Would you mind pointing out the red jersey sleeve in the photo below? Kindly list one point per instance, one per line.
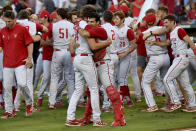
(88, 27)
(98, 33)
(130, 35)
(39, 27)
(27, 37)
(1, 40)
(181, 33)
(140, 38)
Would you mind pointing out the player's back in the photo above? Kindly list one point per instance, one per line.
(155, 49)
(84, 47)
(31, 26)
(111, 32)
(62, 32)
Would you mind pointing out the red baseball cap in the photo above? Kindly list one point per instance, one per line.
(124, 8)
(53, 15)
(112, 8)
(150, 19)
(44, 13)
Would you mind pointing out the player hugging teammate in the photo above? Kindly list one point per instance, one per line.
(90, 55)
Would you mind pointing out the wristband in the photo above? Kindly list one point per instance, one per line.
(194, 51)
(73, 54)
(151, 33)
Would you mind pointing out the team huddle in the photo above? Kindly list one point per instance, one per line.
(90, 54)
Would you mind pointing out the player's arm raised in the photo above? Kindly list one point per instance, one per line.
(156, 32)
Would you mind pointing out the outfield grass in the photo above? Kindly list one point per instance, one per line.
(54, 120)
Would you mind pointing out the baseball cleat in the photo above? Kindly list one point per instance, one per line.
(52, 107)
(105, 109)
(73, 123)
(150, 109)
(6, 115)
(17, 109)
(138, 99)
(189, 109)
(129, 103)
(118, 123)
(59, 104)
(39, 102)
(29, 110)
(81, 104)
(173, 107)
(99, 123)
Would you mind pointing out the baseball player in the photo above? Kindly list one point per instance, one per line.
(126, 45)
(179, 40)
(16, 63)
(112, 51)
(85, 70)
(133, 64)
(104, 68)
(32, 28)
(158, 60)
(47, 52)
(62, 32)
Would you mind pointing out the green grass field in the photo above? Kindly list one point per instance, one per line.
(54, 120)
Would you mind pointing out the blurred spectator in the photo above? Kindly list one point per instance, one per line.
(49, 5)
(170, 4)
(136, 6)
(180, 12)
(73, 4)
(22, 4)
(2, 2)
(81, 3)
(192, 13)
(38, 6)
(61, 3)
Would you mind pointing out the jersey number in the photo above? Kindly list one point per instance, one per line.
(122, 44)
(113, 34)
(156, 38)
(62, 33)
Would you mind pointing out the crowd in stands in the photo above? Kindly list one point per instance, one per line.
(185, 10)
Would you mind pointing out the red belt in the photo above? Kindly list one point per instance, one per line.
(100, 63)
(83, 54)
(60, 49)
(178, 55)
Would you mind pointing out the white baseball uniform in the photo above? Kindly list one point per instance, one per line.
(32, 28)
(62, 33)
(159, 60)
(178, 68)
(85, 70)
(124, 64)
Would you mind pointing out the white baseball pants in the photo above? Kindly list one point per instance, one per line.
(85, 70)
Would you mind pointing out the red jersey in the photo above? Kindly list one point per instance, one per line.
(141, 48)
(99, 34)
(47, 50)
(192, 14)
(14, 43)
